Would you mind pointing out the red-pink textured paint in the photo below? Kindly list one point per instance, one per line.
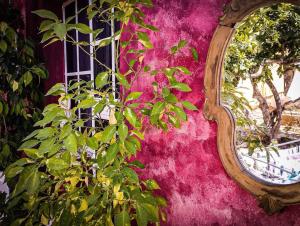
(185, 161)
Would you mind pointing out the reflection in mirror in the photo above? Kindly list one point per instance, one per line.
(261, 87)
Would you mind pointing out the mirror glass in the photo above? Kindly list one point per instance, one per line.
(261, 88)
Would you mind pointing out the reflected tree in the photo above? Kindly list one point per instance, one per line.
(268, 37)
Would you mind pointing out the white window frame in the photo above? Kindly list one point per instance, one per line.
(106, 112)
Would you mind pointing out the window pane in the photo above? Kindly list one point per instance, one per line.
(71, 49)
(98, 23)
(70, 81)
(86, 113)
(104, 56)
(101, 123)
(84, 58)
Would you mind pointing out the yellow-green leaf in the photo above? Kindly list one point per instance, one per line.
(144, 39)
(83, 205)
(71, 143)
(108, 133)
(15, 85)
(101, 79)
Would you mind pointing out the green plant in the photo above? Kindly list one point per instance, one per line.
(20, 86)
(77, 174)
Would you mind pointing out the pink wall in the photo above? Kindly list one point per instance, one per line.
(185, 161)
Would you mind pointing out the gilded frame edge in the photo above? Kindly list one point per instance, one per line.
(272, 198)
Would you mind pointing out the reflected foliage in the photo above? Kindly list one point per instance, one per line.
(268, 37)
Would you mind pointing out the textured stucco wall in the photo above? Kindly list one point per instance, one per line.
(185, 162)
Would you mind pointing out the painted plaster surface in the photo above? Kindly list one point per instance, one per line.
(185, 161)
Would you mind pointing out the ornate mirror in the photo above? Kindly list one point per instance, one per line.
(252, 86)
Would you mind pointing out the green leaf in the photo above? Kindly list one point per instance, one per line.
(158, 108)
(92, 143)
(132, 118)
(3, 46)
(56, 164)
(138, 134)
(82, 28)
(132, 62)
(47, 146)
(22, 182)
(137, 164)
(39, 72)
(29, 144)
(181, 87)
(101, 79)
(91, 13)
(133, 96)
(182, 43)
(195, 54)
(121, 78)
(33, 182)
(174, 121)
(47, 35)
(11, 172)
(135, 141)
(165, 92)
(22, 162)
(144, 39)
(184, 70)
(152, 184)
(56, 90)
(145, 213)
(171, 99)
(174, 49)
(15, 85)
(130, 174)
(151, 27)
(146, 2)
(45, 133)
(123, 131)
(130, 147)
(104, 42)
(87, 103)
(60, 30)
(180, 112)
(71, 143)
(111, 153)
(46, 14)
(99, 108)
(32, 153)
(147, 68)
(108, 133)
(46, 25)
(122, 219)
(188, 105)
(161, 201)
(65, 131)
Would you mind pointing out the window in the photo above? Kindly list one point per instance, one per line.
(79, 62)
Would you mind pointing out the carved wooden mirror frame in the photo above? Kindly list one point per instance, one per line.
(271, 197)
